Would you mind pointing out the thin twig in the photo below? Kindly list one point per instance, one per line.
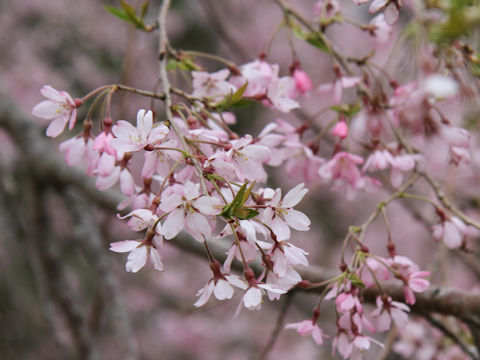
(163, 54)
(447, 332)
(278, 326)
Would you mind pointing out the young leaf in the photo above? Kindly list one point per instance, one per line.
(355, 280)
(244, 213)
(120, 13)
(132, 15)
(144, 9)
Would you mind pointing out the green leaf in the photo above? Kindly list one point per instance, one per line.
(315, 40)
(237, 95)
(237, 202)
(242, 103)
(348, 110)
(231, 99)
(247, 193)
(120, 13)
(144, 9)
(312, 38)
(132, 15)
(244, 213)
(355, 280)
(211, 177)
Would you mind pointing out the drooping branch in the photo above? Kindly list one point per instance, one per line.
(51, 168)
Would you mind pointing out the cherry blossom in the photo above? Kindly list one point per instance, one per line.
(336, 88)
(308, 327)
(281, 216)
(60, 108)
(212, 85)
(303, 83)
(258, 74)
(187, 209)
(138, 253)
(129, 138)
(388, 310)
(280, 92)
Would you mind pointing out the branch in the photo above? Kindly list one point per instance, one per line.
(86, 230)
(163, 54)
(51, 168)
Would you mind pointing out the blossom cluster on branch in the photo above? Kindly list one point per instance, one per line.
(186, 169)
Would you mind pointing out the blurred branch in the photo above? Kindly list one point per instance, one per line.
(87, 232)
(58, 286)
(278, 326)
(223, 31)
(447, 332)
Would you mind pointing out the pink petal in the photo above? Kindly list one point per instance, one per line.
(124, 246)
(391, 14)
(377, 5)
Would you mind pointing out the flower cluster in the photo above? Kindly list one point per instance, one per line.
(189, 172)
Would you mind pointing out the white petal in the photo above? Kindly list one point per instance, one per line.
(198, 226)
(124, 246)
(205, 293)
(174, 223)
(136, 259)
(377, 5)
(223, 290)
(47, 109)
(252, 297)
(294, 196)
(209, 205)
(297, 220)
(156, 259)
(57, 126)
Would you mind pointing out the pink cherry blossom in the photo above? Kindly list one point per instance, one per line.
(76, 150)
(303, 83)
(343, 170)
(187, 209)
(258, 74)
(60, 108)
(281, 216)
(336, 88)
(308, 327)
(221, 288)
(280, 93)
(340, 129)
(247, 157)
(388, 310)
(214, 85)
(381, 29)
(130, 138)
(415, 283)
(138, 253)
(252, 299)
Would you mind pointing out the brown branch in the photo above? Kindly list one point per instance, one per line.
(86, 231)
(278, 326)
(450, 334)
